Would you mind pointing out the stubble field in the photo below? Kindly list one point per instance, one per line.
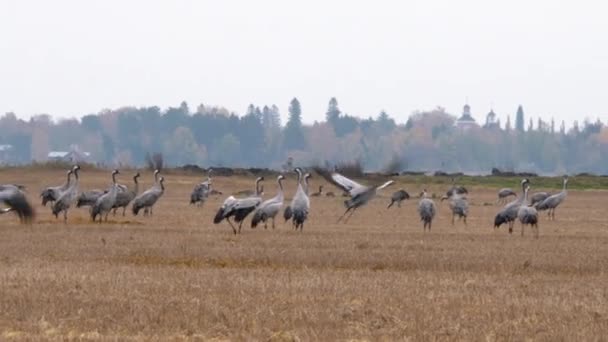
(380, 277)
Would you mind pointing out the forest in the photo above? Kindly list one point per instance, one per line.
(215, 136)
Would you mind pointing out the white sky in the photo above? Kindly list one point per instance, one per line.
(70, 58)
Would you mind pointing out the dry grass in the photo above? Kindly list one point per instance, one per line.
(178, 276)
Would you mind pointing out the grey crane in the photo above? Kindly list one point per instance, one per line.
(51, 194)
(553, 201)
(147, 199)
(201, 191)
(124, 197)
(359, 194)
(459, 205)
(508, 213)
(269, 208)
(503, 194)
(538, 197)
(461, 190)
(238, 208)
(105, 202)
(68, 197)
(89, 198)
(300, 203)
(14, 199)
(426, 210)
(288, 213)
(528, 214)
(397, 197)
(318, 193)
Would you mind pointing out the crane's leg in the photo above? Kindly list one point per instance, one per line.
(231, 225)
(346, 212)
(351, 214)
(65, 216)
(399, 204)
(114, 212)
(273, 223)
(465, 221)
(123, 210)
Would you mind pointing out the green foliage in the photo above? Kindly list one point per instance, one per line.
(519, 119)
(293, 135)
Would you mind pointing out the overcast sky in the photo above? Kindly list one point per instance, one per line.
(71, 58)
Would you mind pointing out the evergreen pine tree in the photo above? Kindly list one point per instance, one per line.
(294, 137)
(519, 119)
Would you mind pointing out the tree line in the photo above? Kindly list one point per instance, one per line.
(215, 136)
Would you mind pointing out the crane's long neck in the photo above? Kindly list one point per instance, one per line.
(68, 181)
(280, 183)
(306, 185)
(162, 185)
(526, 195)
(136, 189)
(564, 189)
(257, 187)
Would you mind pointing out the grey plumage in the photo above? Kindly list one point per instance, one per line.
(89, 198)
(238, 208)
(300, 204)
(528, 214)
(147, 199)
(124, 197)
(459, 205)
(426, 210)
(14, 199)
(269, 208)
(51, 194)
(504, 193)
(288, 213)
(397, 197)
(553, 201)
(359, 194)
(201, 191)
(538, 197)
(67, 198)
(456, 190)
(105, 202)
(508, 213)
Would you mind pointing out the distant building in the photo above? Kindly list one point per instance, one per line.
(73, 156)
(466, 121)
(6, 153)
(492, 120)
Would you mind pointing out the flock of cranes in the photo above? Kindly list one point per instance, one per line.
(101, 202)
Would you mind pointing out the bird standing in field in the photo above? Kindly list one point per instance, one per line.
(147, 199)
(238, 208)
(553, 201)
(125, 196)
(528, 214)
(538, 197)
(68, 197)
(51, 194)
(459, 205)
(105, 202)
(359, 194)
(269, 208)
(426, 210)
(460, 190)
(397, 197)
(14, 199)
(508, 213)
(201, 191)
(503, 194)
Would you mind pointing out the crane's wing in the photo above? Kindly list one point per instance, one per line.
(385, 184)
(340, 181)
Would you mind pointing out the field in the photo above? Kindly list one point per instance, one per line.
(380, 277)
